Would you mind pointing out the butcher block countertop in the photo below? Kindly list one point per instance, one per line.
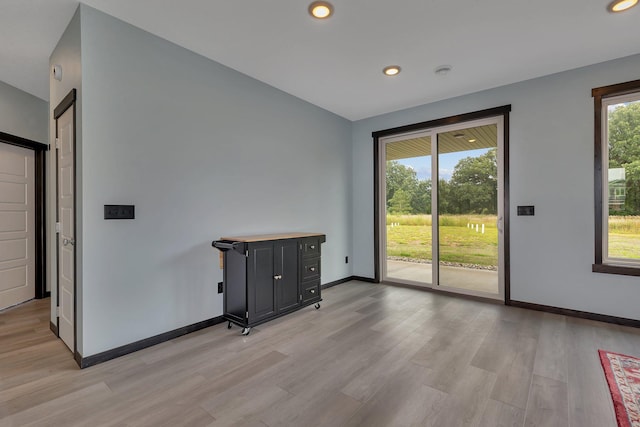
(266, 237)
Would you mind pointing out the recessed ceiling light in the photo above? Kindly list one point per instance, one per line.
(441, 70)
(320, 9)
(391, 70)
(621, 5)
(472, 140)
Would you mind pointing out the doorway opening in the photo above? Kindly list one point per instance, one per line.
(442, 205)
(22, 220)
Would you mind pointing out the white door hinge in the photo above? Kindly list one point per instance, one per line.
(247, 314)
(57, 311)
(58, 227)
(57, 142)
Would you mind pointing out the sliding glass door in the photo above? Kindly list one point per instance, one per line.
(407, 199)
(468, 209)
(465, 241)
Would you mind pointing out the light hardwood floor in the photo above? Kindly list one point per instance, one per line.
(373, 355)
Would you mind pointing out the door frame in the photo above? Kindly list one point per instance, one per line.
(67, 102)
(381, 171)
(40, 188)
(424, 126)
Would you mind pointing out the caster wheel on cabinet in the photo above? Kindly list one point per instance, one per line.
(246, 331)
(317, 305)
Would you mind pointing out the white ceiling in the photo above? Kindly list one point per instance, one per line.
(337, 64)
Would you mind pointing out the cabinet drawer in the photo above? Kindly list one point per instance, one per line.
(311, 269)
(310, 248)
(310, 291)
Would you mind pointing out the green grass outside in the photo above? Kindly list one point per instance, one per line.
(624, 237)
(411, 238)
(446, 220)
(624, 225)
(624, 246)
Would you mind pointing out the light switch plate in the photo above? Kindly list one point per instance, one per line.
(526, 210)
(119, 212)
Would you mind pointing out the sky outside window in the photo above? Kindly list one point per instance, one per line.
(447, 162)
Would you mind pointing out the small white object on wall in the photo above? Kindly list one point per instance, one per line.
(57, 72)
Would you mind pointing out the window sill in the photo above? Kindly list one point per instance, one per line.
(615, 269)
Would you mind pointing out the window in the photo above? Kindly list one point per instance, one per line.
(617, 178)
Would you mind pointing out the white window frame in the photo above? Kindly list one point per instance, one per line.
(606, 103)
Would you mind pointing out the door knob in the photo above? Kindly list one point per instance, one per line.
(66, 242)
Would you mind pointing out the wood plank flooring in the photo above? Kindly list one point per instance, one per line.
(373, 355)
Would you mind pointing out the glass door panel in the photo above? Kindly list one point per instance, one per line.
(407, 238)
(468, 209)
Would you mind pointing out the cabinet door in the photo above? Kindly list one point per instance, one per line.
(260, 283)
(286, 267)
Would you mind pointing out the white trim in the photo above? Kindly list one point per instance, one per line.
(435, 230)
(382, 163)
(382, 207)
(604, 138)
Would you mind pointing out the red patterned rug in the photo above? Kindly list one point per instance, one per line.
(623, 376)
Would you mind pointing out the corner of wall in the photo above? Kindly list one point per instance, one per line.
(67, 54)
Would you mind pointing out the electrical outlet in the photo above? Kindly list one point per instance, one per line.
(220, 287)
(119, 212)
(346, 260)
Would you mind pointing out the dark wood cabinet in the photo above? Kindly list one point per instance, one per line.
(268, 276)
(260, 289)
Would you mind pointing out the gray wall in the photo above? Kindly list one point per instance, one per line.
(204, 151)
(551, 161)
(22, 114)
(68, 55)
(201, 151)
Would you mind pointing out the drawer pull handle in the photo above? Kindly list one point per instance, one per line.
(277, 277)
(312, 246)
(312, 269)
(313, 291)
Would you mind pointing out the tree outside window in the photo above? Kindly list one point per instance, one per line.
(617, 145)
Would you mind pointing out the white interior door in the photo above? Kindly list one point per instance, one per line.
(17, 224)
(66, 227)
